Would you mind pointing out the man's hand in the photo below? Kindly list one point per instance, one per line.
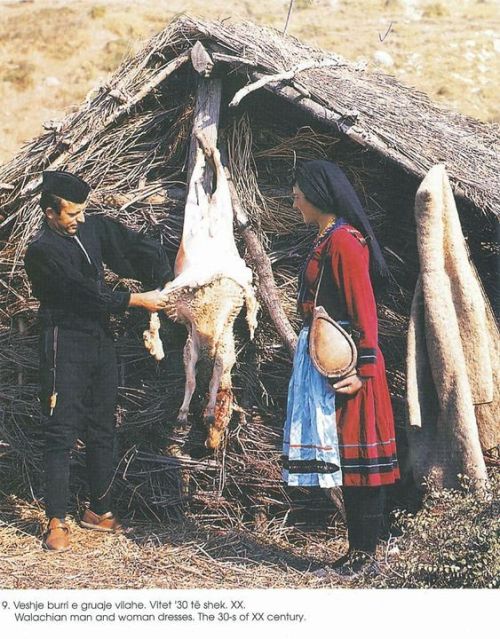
(152, 301)
(349, 385)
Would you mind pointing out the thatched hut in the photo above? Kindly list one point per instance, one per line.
(129, 140)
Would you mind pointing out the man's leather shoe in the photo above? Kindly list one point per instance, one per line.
(57, 536)
(105, 523)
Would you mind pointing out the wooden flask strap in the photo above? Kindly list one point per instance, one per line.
(324, 255)
(323, 259)
(354, 334)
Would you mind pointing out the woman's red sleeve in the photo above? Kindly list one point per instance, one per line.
(350, 261)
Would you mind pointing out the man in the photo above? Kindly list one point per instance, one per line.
(78, 370)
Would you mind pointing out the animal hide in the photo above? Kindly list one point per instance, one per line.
(453, 358)
(211, 285)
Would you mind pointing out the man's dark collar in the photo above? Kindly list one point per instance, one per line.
(47, 226)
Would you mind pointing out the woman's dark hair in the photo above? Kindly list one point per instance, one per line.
(48, 200)
(326, 186)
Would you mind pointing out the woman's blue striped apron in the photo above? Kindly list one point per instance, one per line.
(310, 444)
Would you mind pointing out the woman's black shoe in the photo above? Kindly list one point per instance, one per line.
(341, 560)
(355, 564)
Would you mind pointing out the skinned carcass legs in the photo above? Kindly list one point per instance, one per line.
(211, 285)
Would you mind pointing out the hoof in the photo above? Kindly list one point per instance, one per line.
(209, 420)
(182, 419)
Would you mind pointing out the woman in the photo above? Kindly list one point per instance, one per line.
(341, 433)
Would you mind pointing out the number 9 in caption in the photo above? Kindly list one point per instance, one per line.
(5, 605)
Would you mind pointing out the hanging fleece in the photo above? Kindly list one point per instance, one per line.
(453, 357)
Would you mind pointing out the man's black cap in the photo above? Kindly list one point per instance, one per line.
(65, 185)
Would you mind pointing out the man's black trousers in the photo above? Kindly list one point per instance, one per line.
(86, 381)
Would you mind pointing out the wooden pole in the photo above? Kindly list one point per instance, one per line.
(268, 289)
(290, 7)
(262, 265)
(206, 113)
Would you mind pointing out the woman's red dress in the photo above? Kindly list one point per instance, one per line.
(365, 421)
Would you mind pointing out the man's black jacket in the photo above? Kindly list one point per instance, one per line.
(72, 291)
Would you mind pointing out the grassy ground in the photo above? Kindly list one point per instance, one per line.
(52, 52)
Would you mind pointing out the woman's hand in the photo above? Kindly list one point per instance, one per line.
(349, 385)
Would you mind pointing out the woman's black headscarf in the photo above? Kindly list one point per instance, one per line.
(325, 185)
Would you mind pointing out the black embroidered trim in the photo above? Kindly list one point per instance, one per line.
(367, 356)
(375, 465)
(367, 351)
(377, 470)
(309, 466)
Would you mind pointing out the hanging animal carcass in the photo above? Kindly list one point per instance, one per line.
(211, 284)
